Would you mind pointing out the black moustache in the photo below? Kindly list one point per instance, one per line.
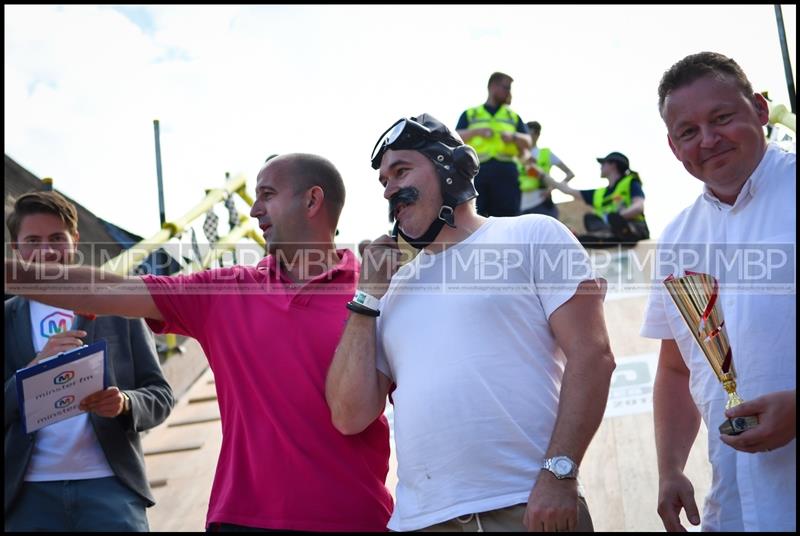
(404, 195)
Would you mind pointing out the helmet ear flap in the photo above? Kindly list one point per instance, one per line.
(466, 162)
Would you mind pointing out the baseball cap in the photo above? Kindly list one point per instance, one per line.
(616, 157)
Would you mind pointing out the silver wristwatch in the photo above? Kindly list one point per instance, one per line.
(561, 467)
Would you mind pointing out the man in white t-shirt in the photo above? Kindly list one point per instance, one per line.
(741, 230)
(492, 343)
(85, 473)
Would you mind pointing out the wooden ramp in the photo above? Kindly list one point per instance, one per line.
(618, 473)
(181, 455)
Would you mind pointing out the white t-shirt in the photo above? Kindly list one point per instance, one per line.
(46, 321)
(750, 248)
(464, 335)
(66, 450)
(554, 160)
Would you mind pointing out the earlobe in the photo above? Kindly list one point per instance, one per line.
(672, 147)
(315, 199)
(762, 108)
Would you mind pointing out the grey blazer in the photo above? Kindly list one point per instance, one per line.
(132, 366)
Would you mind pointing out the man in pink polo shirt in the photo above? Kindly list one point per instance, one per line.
(269, 332)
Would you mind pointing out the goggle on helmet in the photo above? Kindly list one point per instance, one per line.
(456, 162)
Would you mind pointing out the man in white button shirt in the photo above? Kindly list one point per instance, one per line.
(715, 125)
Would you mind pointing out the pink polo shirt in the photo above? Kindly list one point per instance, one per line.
(282, 465)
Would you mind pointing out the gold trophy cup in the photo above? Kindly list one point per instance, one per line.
(695, 296)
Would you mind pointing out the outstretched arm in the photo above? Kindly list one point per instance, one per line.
(552, 183)
(86, 289)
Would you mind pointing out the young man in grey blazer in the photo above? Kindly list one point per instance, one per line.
(85, 473)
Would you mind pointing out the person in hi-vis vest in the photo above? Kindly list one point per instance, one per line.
(536, 198)
(618, 215)
(500, 137)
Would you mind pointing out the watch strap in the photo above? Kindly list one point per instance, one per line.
(550, 463)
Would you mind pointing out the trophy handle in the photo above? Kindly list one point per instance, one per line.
(737, 425)
(729, 383)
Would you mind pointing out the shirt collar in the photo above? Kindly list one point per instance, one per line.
(347, 263)
(749, 188)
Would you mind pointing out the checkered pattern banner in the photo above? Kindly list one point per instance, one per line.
(233, 214)
(196, 248)
(210, 227)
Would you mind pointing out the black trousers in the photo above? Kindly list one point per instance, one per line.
(498, 189)
(618, 230)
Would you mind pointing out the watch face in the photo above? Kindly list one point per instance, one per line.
(562, 467)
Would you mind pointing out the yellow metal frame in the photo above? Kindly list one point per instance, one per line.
(128, 260)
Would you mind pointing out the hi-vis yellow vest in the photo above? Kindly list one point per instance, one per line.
(528, 183)
(503, 121)
(618, 198)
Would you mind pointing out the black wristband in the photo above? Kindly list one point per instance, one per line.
(362, 310)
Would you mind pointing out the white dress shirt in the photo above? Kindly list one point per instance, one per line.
(750, 247)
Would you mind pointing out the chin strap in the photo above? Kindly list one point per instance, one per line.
(446, 215)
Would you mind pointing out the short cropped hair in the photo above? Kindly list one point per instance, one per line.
(497, 77)
(42, 202)
(311, 170)
(535, 126)
(696, 66)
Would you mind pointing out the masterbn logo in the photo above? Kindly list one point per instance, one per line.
(64, 377)
(54, 323)
(64, 401)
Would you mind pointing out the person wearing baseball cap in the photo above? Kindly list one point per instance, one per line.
(614, 156)
(618, 216)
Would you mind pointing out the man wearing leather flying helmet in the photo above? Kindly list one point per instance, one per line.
(491, 341)
(455, 163)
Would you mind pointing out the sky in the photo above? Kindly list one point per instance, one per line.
(231, 85)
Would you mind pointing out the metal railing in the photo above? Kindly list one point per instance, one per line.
(126, 262)
(131, 258)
